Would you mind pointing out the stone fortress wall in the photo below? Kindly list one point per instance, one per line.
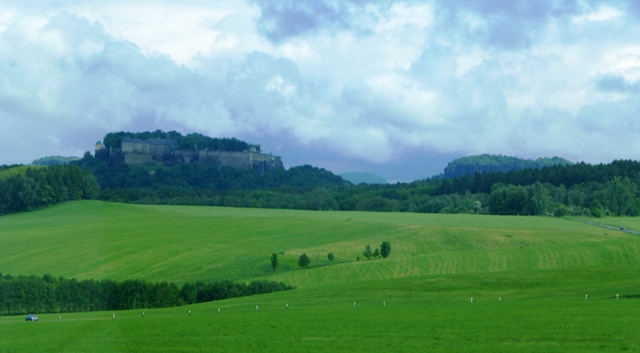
(165, 151)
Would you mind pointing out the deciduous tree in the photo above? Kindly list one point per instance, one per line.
(304, 260)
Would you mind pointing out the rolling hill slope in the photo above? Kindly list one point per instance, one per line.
(98, 240)
(528, 277)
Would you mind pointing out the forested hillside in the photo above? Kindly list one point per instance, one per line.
(578, 189)
(575, 189)
(487, 163)
(30, 188)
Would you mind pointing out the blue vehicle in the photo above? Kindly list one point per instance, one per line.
(31, 317)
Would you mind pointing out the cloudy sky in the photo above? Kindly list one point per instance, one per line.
(398, 88)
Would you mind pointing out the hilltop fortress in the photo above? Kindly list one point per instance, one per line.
(136, 152)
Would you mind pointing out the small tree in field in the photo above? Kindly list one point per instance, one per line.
(385, 249)
(304, 260)
(330, 257)
(376, 253)
(367, 252)
(274, 262)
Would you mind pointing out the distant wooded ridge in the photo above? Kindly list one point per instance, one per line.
(487, 163)
(51, 160)
(559, 188)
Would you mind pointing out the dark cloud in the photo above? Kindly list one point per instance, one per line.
(503, 24)
(618, 84)
(281, 20)
(286, 19)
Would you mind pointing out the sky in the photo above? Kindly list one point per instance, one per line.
(397, 88)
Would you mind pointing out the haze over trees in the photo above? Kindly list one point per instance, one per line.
(51, 160)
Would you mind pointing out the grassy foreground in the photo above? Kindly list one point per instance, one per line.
(540, 268)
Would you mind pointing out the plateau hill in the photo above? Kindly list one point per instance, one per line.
(487, 163)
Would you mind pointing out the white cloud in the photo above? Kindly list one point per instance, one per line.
(357, 79)
(281, 86)
(603, 13)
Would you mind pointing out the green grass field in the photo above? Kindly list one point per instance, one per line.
(540, 268)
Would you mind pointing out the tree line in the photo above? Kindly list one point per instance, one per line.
(579, 189)
(192, 141)
(619, 196)
(49, 294)
(25, 189)
(561, 189)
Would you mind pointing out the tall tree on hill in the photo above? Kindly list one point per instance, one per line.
(385, 249)
(274, 262)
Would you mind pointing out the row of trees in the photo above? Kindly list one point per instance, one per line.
(48, 294)
(619, 196)
(193, 141)
(558, 190)
(382, 252)
(26, 189)
(303, 261)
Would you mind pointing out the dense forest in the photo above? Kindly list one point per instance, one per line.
(29, 188)
(560, 189)
(551, 187)
(49, 294)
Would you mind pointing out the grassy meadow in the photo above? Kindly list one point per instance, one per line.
(528, 277)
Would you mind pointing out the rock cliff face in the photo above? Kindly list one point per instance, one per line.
(136, 152)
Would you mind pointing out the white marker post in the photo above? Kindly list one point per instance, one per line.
(472, 299)
(354, 304)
